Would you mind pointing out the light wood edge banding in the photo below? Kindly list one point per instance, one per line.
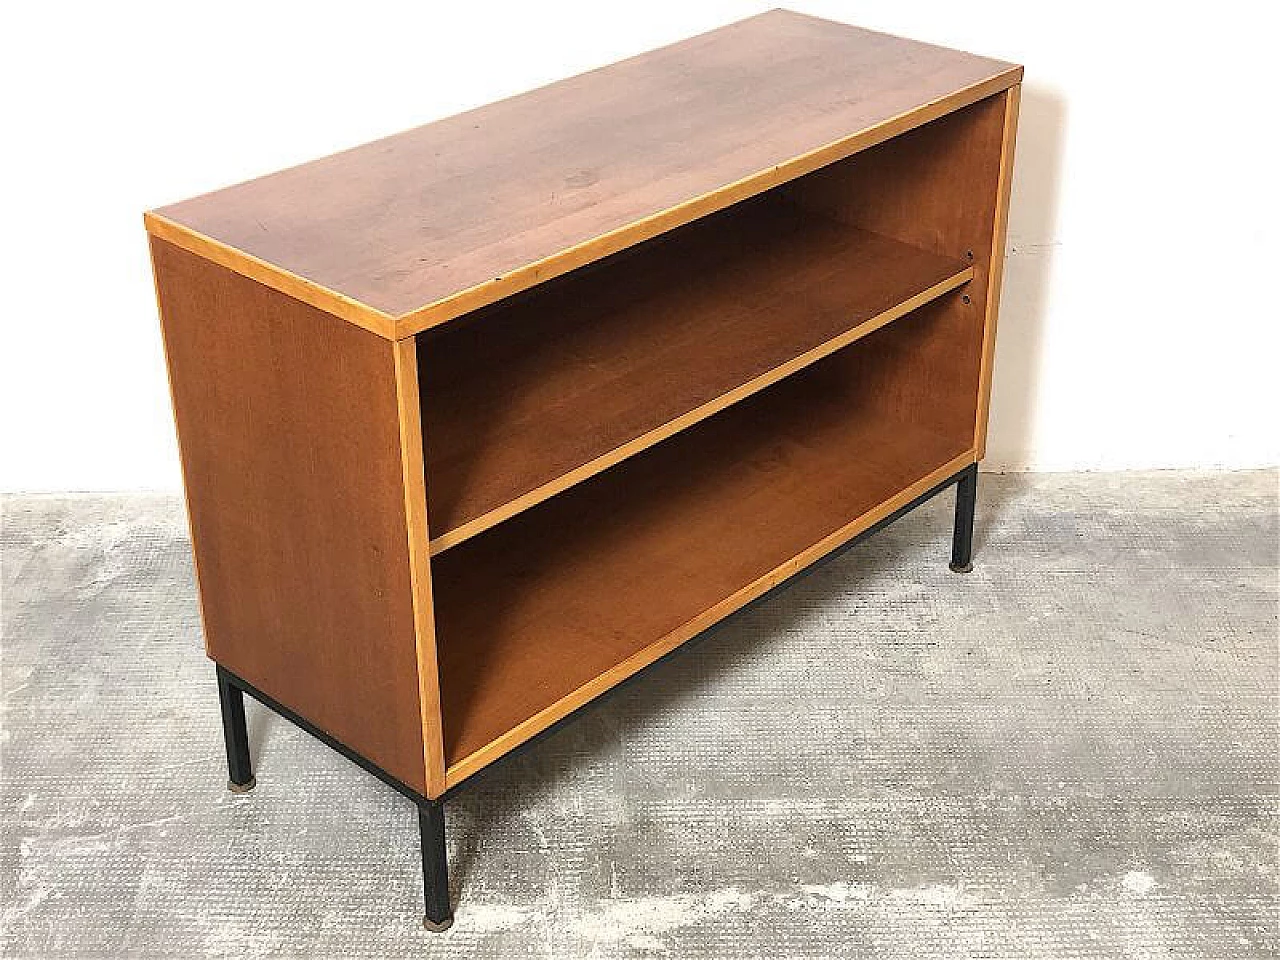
(1013, 97)
(474, 762)
(415, 506)
(270, 275)
(603, 462)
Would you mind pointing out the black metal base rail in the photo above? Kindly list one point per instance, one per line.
(431, 833)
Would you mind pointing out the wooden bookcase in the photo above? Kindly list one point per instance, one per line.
(481, 419)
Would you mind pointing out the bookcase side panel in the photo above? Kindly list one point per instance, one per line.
(409, 403)
(290, 438)
(936, 187)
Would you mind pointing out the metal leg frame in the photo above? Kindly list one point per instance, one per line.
(240, 777)
(435, 865)
(962, 538)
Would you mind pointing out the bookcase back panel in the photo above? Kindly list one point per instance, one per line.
(935, 187)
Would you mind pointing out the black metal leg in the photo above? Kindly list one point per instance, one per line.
(239, 768)
(962, 538)
(435, 866)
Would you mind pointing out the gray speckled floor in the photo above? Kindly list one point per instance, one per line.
(1072, 752)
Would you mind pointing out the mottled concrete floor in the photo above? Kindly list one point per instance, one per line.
(1072, 752)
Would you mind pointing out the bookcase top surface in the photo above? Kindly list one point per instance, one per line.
(409, 231)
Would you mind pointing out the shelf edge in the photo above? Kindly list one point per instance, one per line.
(479, 759)
(492, 518)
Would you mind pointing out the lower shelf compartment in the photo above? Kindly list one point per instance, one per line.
(544, 612)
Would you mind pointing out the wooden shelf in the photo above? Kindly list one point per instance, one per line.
(587, 588)
(645, 345)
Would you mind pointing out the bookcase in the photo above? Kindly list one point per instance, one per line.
(481, 419)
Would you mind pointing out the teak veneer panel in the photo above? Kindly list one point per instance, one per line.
(533, 395)
(559, 603)
(421, 227)
(942, 187)
(291, 454)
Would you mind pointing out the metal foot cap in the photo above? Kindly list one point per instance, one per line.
(961, 567)
(434, 927)
(242, 787)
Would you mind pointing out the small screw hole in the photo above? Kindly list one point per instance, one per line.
(966, 299)
(969, 254)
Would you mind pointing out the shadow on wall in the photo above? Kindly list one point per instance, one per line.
(1024, 303)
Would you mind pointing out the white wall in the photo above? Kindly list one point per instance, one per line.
(1137, 330)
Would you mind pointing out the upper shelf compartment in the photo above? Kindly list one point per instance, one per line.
(530, 396)
(414, 230)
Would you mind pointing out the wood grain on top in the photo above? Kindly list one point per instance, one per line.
(413, 230)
